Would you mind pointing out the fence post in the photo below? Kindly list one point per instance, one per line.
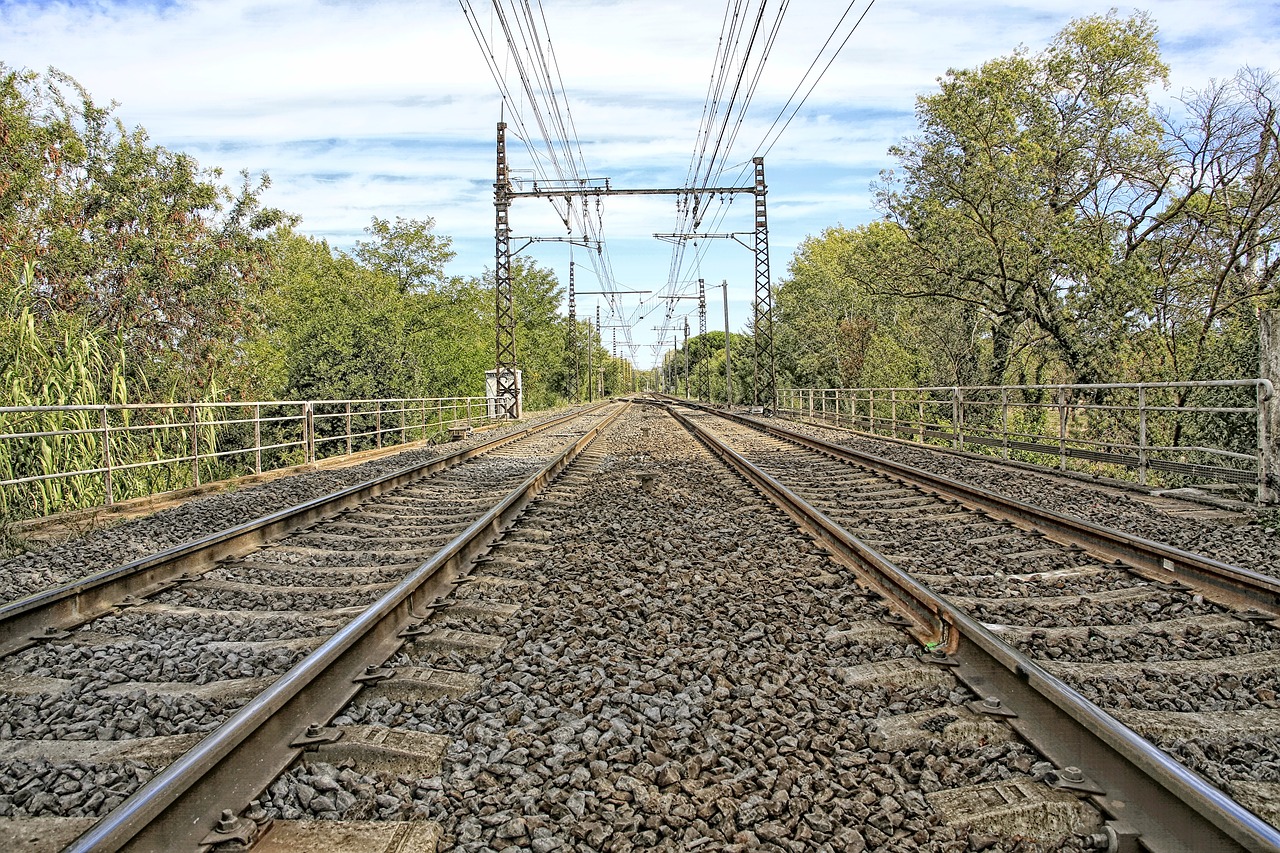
(1004, 420)
(920, 417)
(1142, 435)
(309, 431)
(404, 434)
(257, 438)
(957, 420)
(106, 456)
(195, 446)
(1062, 428)
(348, 427)
(871, 410)
(377, 421)
(1269, 409)
(893, 413)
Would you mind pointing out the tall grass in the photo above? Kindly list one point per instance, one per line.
(53, 360)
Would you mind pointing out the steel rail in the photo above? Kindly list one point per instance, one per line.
(48, 613)
(179, 806)
(1232, 585)
(1146, 793)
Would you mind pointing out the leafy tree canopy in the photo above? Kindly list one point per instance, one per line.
(408, 251)
(1047, 223)
(127, 235)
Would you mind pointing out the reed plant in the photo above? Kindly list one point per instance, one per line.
(53, 359)
(58, 361)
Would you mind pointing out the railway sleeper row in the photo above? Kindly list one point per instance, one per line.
(93, 713)
(1230, 738)
(592, 685)
(599, 703)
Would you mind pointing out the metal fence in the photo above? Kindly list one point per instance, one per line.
(55, 458)
(1168, 433)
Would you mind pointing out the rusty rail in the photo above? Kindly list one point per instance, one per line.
(73, 604)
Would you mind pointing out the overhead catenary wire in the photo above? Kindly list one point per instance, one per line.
(769, 147)
(552, 141)
(540, 117)
(789, 110)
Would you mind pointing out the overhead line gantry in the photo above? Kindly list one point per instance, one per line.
(507, 389)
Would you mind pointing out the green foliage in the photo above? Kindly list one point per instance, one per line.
(1047, 224)
(707, 358)
(336, 326)
(128, 236)
(1010, 193)
(130, 274)
(47, 359)
(837, 330)
(407, 251)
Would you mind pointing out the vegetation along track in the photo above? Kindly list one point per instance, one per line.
(1179, 648)
(110, 679)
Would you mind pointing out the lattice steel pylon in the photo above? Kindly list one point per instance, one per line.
(764, 372)
(573, 339)
(507, 402)
(701, 376)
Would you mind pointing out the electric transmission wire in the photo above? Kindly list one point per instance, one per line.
(710, 162)
(541, 118)
(816, 81)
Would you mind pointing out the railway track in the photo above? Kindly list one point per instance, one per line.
(1178, 648)
(648, 655)
(152, 694)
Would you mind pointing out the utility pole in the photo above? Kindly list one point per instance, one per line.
(601, 369)
(506, 388)
(765, 392)
(591, 345)
(686, 358)
(728, 373)
(573, 338)
(703, 372)
(702, 306)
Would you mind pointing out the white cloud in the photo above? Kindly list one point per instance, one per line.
(387, 107)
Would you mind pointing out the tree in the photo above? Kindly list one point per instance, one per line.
(839, 326)
(407, 251)
(1213, 259)
(128, 236)
(451, 337)
(334, 329)
(1024, 171)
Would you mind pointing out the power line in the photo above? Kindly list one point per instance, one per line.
(816, 81)
(543, 121)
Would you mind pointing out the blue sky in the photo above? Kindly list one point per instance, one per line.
(361, 108)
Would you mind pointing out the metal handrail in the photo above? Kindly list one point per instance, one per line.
(193, 442)
(945, 413)
(179, 805)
